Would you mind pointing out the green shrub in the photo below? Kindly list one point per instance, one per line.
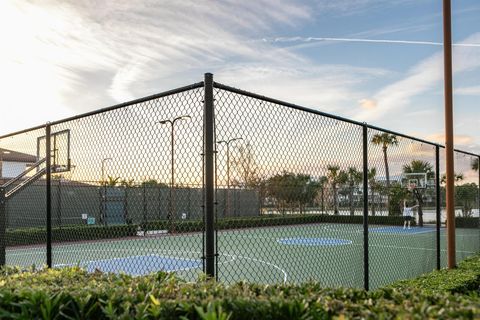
(29, 236)
(72, 293)
(467, 222)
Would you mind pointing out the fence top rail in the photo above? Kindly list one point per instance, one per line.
(328, 115)
(111, 108)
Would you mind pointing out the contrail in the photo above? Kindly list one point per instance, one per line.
(312, 39)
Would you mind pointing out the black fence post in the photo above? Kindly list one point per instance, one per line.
(438, 203)
(48, 178)
(209, 131)
(3, 226)
(365, 209)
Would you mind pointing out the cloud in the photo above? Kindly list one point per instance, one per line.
(363, 40)
(468, 91)
(460, 140)
(368, 104)
(420, 78)
(127, 49)
(329, 88)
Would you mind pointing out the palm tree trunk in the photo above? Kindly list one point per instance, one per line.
(335, 199)
(352, 210)
(373, 201)
(323, 204)
(387, 176)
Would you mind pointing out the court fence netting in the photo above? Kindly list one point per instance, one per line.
(211, 179)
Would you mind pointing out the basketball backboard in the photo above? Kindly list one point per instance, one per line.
(417, 180)
(60, 150)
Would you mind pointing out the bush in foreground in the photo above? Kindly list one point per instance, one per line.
(71, 293)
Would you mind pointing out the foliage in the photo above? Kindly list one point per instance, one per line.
(112, 181)
(397, 193)
(457, 178)
(127, 182)
(353, 178)
(72, 293)
(419, 166)
(153, 183)
(466, 196)
(27, 236)
(475, 164)
(385, 140)
(290, 190)
(245, 165)
(336, 177)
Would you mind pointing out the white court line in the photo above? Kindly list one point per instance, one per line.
(285, 276)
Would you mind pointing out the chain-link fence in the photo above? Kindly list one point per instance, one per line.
(211, 179)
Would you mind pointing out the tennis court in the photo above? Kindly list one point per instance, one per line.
(329, 253)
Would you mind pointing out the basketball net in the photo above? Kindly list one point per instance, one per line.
(412, 186)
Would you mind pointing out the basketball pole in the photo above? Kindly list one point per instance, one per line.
(447, 61)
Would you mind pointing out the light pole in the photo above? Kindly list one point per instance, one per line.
(104, 206)
(170, 216)
(227, 143)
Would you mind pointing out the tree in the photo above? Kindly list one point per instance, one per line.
(335, 177)
(466, 196)
(245, 165)
(456, 176)
(292, 190)
(354, 177)
(322, 182)
(112, 181)
(475, 165)
(419, 166)
(385, 140)
(127, 183)
(372, 182)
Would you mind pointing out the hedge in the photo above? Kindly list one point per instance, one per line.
(29, 236)
(71, 293)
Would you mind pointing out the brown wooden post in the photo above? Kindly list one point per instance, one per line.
(449, 148)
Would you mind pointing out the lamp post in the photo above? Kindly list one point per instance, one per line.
(172, 122)
(227, 143)
(104, 206)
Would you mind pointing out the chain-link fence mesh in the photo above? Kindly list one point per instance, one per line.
(128, 193)
(402, 191)
(304, 173)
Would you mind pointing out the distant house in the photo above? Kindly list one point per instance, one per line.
(12, 163)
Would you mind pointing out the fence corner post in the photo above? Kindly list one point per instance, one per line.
(48, 191)
(366, 279)
(209, 132)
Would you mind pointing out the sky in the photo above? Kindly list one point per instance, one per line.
(375, 61)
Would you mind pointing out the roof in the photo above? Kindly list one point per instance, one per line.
(14, 156)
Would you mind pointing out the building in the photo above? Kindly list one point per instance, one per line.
(13, 163)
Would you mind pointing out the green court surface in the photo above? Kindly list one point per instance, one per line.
(331, 254)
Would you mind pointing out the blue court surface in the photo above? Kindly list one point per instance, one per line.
(401, 230)
(314, 241)
(141, 265)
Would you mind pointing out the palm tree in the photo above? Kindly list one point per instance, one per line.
(419, 166)
(335, 177)
(373, 186)
(475, 164)
(457, 177)
(354, 177)
(322, 182)
(112, 181)
(385, 140)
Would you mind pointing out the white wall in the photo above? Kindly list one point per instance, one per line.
(12, 169)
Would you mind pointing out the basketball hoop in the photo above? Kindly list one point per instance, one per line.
(412, 186)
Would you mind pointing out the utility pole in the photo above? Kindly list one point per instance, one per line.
(449, 148)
